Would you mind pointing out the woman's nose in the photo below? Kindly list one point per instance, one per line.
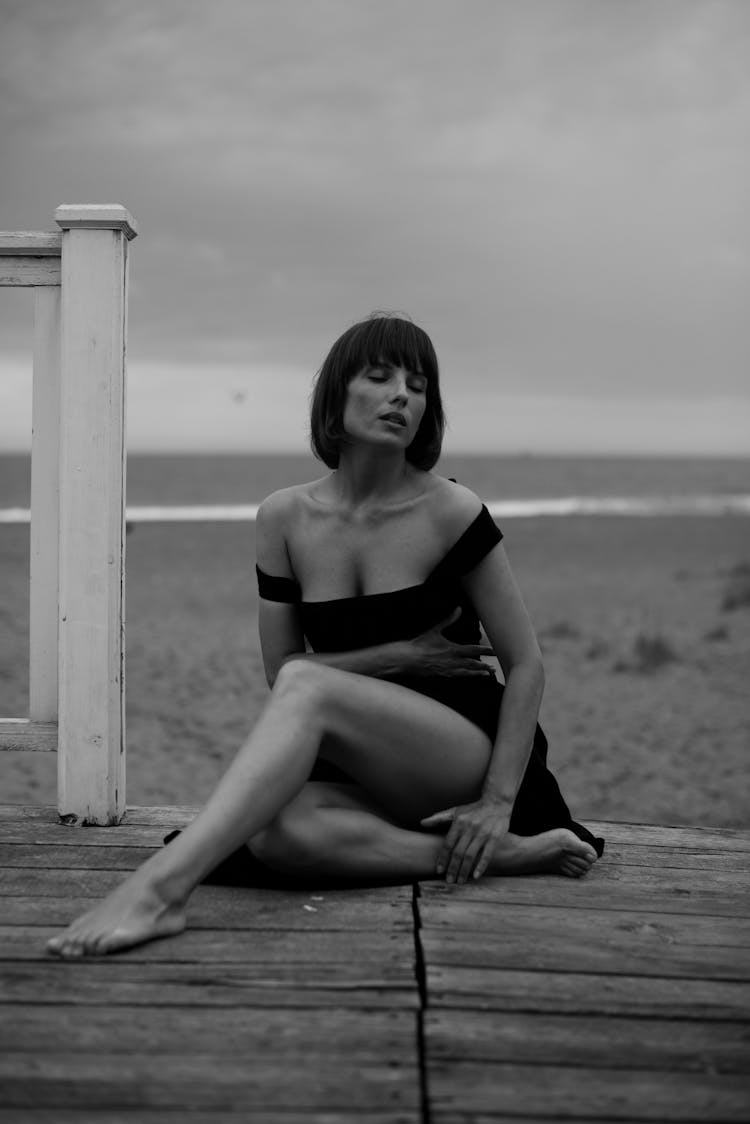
(400, 390)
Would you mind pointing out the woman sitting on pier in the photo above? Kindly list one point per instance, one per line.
(386, 569)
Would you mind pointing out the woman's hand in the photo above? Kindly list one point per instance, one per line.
(432, 654)
(475, 830)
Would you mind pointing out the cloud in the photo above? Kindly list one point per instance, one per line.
(556, 190)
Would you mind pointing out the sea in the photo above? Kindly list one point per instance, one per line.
(208, 487)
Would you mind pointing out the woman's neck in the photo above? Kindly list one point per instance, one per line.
(367, 478)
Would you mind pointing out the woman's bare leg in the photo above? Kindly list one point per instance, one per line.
(412, 754)
(337, 831)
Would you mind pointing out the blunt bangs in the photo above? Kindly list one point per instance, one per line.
(379, 339)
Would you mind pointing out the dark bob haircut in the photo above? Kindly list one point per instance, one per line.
(382, 338)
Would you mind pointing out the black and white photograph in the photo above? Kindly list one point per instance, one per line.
(374, 561)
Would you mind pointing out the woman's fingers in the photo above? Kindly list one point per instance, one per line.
(466, 666)
(449, 847)
(438, 817)
(462, 858)
(470, 856)
(483, 861)
(466, 848)
(445, 858)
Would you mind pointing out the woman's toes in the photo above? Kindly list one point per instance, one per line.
(581, 866)
(583, 850)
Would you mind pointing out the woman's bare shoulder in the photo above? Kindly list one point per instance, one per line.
(282, 505)
(277, 517)
(454, 507)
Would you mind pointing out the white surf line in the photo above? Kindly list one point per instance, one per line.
(645, 506)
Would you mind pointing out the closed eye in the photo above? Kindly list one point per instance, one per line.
(383, 371)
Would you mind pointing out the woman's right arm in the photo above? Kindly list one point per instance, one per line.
(279, 624)
(282, 638)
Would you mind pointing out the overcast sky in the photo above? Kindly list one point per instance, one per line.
(557, 190)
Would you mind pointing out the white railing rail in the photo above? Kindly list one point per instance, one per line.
(77, 560)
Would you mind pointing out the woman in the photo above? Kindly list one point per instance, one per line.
(386, 569)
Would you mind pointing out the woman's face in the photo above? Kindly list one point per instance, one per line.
(385, 405)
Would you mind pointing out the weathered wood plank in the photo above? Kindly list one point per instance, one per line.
(34, 856)
(655, 835)
(672, 879)
(211, 906)
(582, 1040)
(204, 1081)
(20, 735)
(590, 894)
(390, 953)
(38, 833)
(116, 982)
(31, 243)
(370, 1034)
(214, 1116)
(167, 816)
(452, 1117)
(494, 1090)
(641, 944)
(664, 858)
(550, 925)
(27, 272)
(586, 993)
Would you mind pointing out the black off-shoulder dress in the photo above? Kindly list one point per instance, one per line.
(361, 622)
(365, 621)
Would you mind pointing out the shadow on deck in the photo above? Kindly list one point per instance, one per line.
(623, 996)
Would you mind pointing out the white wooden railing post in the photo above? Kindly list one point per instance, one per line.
(91, 718)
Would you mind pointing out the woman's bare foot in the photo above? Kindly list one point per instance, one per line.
(559, 851)
(133, 913)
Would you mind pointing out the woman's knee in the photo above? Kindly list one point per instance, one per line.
(303, 834)
(289, 841)
(302, 679)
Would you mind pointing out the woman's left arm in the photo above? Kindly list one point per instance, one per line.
(494, 594)
(475, 828)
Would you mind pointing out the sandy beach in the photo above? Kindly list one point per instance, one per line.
(644, 625)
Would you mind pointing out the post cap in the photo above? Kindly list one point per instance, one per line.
(96, 216)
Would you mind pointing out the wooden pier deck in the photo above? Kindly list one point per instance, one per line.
(624, 996)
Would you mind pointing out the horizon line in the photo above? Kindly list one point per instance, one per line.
(527, 454)
(697, 504)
